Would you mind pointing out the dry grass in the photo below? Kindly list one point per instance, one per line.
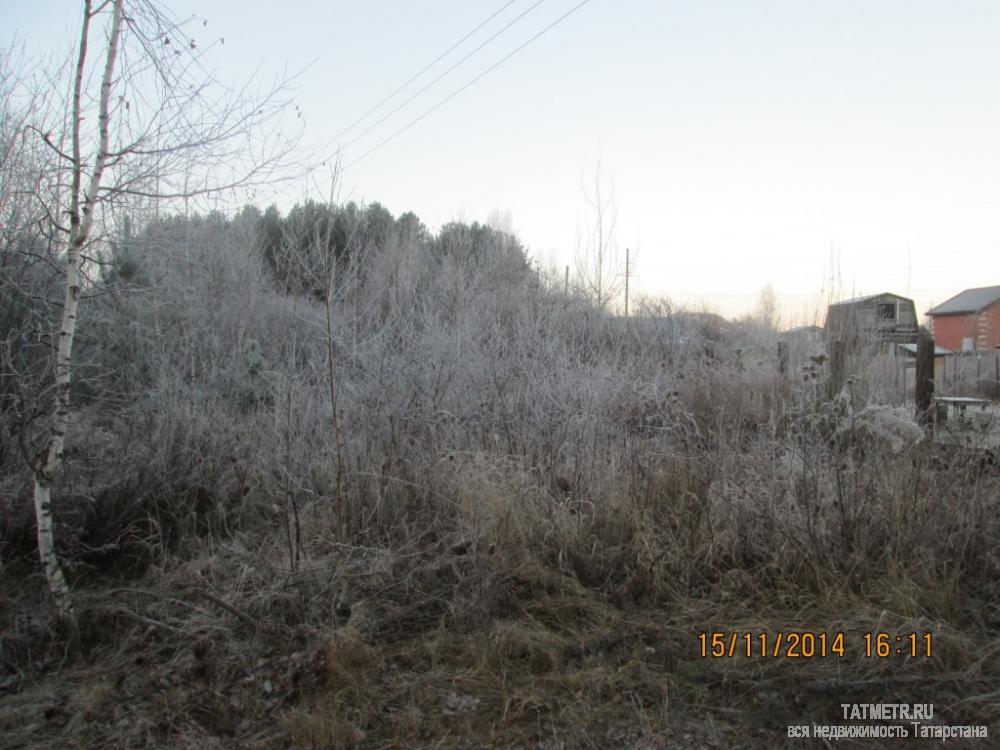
(438, 648)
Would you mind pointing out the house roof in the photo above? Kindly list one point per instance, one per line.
(868, 298)
(971, 300)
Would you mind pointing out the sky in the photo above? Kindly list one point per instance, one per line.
(827, 149)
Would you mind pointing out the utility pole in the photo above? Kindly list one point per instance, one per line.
(627, 258)
(566, 283)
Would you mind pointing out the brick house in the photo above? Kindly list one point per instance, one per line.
(970, 319)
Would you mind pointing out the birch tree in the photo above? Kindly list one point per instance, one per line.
(146, 124)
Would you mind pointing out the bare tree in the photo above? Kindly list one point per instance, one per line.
(145, 123)
(767, 313)
(599, 270)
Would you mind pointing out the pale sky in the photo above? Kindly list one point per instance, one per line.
(748, 142)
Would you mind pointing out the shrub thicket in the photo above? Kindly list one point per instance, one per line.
(509, 452)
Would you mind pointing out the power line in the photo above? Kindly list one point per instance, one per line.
(425, 69)
(451, 96)
(371, 127)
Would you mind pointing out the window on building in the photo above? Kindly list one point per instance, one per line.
(887, 310)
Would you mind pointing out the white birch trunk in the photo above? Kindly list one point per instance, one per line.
(82, 210)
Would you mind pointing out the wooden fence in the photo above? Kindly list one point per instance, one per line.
(973, 374)
(888, 376)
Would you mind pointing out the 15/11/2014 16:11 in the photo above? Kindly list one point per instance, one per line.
(799, 644)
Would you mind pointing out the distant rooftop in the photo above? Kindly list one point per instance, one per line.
(867, 298)
(971, 300)
(806, 329)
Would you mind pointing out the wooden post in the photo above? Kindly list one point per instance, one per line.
(925, 378)
(782, 358)
(838, 367)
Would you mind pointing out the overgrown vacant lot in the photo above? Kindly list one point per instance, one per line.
(397, 490)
